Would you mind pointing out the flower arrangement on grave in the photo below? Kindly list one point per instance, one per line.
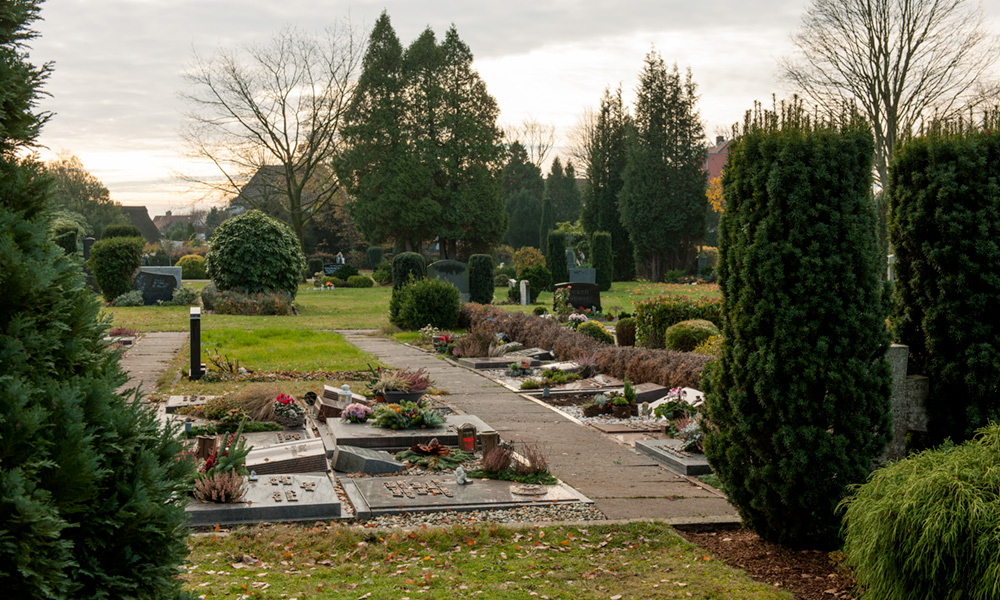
(406, 415)
(427, 334)
(287, 412)
(433, 456)
(399, 380)
(356, 413)
(575, 319)
(220, 478)
(500, 464)
(683, 421)
(560, 302)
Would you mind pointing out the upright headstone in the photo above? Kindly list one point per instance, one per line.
(454, 272)
(176, 272)
(155, 286)
(583, 295)
(525, 292)
(583, 275)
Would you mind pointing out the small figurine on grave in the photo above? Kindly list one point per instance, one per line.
(460, 477)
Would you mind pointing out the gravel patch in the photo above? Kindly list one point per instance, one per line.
(523, 514)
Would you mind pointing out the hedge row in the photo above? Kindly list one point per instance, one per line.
(640, 365)
(655, 315)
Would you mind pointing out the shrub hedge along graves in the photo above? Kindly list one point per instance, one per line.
(604, 260)
(799, 399)
(91, 488)
(120, 231)
(944, 222)
(253, 253)
(112, 261)
(432, 302)
(481, 280)
(655, 315)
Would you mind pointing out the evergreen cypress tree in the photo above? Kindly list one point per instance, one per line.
(603, 260)
(91, 487)
(555, 257)
(604, 181)
(799, 398)
(523, 188)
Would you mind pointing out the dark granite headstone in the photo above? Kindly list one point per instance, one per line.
(583, 295)
(330, 269)
(155, 286)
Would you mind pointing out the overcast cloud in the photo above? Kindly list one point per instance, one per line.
(118, 63)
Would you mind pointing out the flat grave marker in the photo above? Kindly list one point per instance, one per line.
(175, 402)
(273, 498)
(669, 454)
(366, 435)
(307, 456)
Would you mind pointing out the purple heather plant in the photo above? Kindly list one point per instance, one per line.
(356, 413)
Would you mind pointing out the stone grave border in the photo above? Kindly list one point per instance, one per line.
(201, 514)
(682, 463)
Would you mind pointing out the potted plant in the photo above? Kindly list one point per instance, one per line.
(401, 385)
(287, 412)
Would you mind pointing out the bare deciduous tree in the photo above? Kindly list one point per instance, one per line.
(900, 61)
(581, 140)
(536, 137)
(274, 110)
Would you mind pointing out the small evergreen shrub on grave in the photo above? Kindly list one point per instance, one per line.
(359, 281)
(603, 259)
(539, 278)
(597, 331)
(926, 526)
(655, 315)
(481, 282)
(427, 302)
(65, 238)
(406, 264)
(112, 261)
(373, 256)
(314, 265)
(712, 346)
(555, 256)
(133, 298)
(382, 276)
(182, 296)
(687, 335)
(540, 310)
(345, 272)
(235, 302)
(192, 267)
(120, 231)
(501, 280)
(625, 331)
(944, 220)
(799, 398)
(208, 295)
(254, 253)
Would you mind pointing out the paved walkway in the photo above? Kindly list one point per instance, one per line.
(623, 483)
(147, 359)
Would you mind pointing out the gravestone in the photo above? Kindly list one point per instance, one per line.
(155, 286)
(583, 295)
(908, 402)
(176, 402)
(366, 435)
(176, 272)
(330, 269)
(454, 272)
(583, 275)
(308, 456)
(495, 362)
(669, 454)
(351, 459)
(273, 498)
(525, 292)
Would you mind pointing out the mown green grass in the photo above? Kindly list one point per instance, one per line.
(283, 348)
(634, 561)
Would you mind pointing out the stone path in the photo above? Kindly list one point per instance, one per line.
(148, 358)
(623, 483)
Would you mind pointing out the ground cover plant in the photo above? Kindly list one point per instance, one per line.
(637, 560)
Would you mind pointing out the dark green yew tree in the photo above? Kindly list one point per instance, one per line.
(944, 223)
(91, 486)
(555, 257)
(523, 188)
(799, 399)
(603, 259)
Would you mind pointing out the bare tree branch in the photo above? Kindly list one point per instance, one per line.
(537, 138)
(900, 61)
(274, 109)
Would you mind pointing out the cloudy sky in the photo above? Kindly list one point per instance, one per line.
(118, 64)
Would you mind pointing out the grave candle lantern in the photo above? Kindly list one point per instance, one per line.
(467, 437)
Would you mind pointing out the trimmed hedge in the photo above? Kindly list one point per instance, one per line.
(799, 398)
(360, 281)
(313, 266)
(232, 302)
(405, 264)
(374, 256)
(65, 238)
(687, 335)
(944, 222)
(481, 278)
(595, 330)
(113, 261)
(427, 302)
(254, 253)
(655, 315)
(625, 331)
(120, 231)
(192, 266)
(671, 369)
(603, 259)
(555, 257)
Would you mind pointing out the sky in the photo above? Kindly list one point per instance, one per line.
(118, 65)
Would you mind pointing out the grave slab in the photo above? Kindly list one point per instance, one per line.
(175, 402)
(568, 367)
(375, 496)
(308, 456)
(624, 427)
(366, 435)
(669, 454)
(313, 498)
(268, 439)
(536, 353)
(500, 362)
(352, 459)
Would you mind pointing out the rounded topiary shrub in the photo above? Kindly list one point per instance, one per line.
(625, 331)
(501, 280)
(427, 302)
(255, 253)
(359, 281)
(481, 278)
(345, 272)
(120, 231)
(192, 267)
(925, 527)
(382, 276)
(539, 278)
(687, 335)
(406, 264)
(314, 265)
(597, 331)
(113, 261)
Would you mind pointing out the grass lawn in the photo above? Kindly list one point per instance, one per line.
(639, 560)
(623, 295)
(282, 348)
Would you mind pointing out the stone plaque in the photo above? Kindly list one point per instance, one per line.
(176, 272)
(669, 454)
(274, 498)
(155, 286)
(583, 295)
(454, 272)
(583, 275)
(351, 459)
(307, 456)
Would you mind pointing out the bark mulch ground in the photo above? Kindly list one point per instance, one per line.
(808, 574)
